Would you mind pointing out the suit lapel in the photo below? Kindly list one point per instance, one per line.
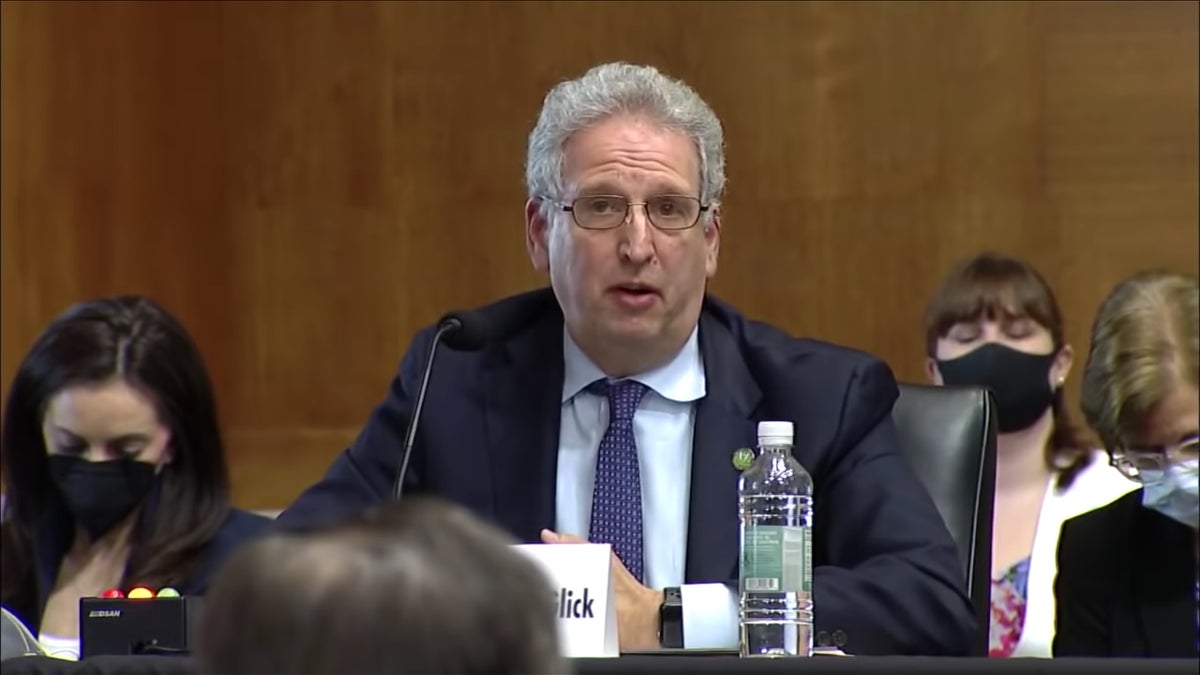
(1163, 566)
(724, 423)
(523, 400)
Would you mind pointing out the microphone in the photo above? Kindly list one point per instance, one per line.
(461, 331)
(15, 638)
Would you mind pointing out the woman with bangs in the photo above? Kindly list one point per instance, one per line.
(994, 322)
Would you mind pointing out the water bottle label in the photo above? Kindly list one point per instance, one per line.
(773, 559)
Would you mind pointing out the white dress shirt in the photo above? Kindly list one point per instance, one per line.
(662, 427)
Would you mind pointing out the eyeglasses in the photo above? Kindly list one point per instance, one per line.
(1133, 461)
(606, 212)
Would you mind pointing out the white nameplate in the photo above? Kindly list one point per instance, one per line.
(580, 577)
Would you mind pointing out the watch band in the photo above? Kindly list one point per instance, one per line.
(670, 619)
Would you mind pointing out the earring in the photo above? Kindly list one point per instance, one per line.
(1061, 381)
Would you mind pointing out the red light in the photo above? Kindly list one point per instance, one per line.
(112, 593)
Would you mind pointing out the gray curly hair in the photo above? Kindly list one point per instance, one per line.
(621, 88)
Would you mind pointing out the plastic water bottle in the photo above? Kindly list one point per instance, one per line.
(775, 498)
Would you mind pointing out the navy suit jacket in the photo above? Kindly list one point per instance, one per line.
(886, 569)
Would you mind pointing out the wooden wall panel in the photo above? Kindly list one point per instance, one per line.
(306, 184)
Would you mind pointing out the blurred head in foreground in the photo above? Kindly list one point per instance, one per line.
(420, 586)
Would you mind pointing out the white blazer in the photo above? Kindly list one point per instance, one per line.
(1096, 485)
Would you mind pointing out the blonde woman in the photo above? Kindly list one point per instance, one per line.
(1128, 583)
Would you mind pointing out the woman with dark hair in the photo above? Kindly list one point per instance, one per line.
(114, 471)
(994, 322)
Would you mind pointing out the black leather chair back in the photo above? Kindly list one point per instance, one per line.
(948, 435)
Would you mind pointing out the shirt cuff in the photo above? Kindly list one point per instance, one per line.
(710, 616)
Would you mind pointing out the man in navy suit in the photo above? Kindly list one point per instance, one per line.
(625, 171)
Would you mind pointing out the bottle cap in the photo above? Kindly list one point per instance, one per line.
(775, 433)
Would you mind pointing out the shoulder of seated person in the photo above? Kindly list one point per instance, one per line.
(1107, 527)
(777, 345)
(241, 521)
(240, 527)
(512, 316)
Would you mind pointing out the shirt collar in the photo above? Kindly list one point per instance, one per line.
(681, 379)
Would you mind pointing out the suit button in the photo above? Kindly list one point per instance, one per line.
(822, 639)
(839, 638)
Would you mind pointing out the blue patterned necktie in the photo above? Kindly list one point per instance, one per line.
(617, 495)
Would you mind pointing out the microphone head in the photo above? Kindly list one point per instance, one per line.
(15, 638)
(464, 331)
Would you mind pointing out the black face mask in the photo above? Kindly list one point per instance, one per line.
(1019, 380)
(101, 494)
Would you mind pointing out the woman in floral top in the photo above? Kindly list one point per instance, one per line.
(994, 322)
